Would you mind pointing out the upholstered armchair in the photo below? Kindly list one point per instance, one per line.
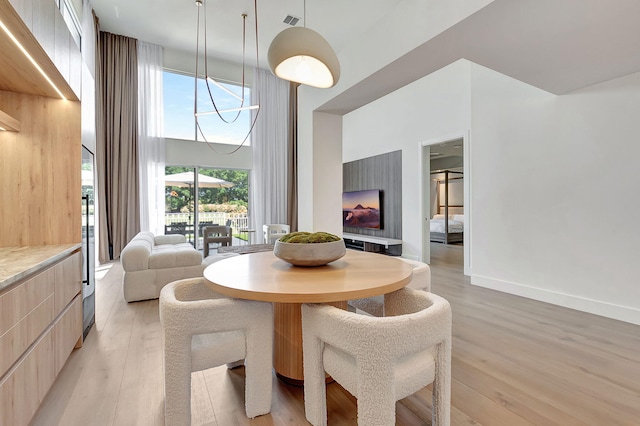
(203, 329)
(379, 360)
(222, 235)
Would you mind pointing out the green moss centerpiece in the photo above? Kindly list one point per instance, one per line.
(309, 249)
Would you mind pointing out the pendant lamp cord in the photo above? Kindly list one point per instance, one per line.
(206, 71)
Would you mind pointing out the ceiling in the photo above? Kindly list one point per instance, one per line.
(172, 23)
(555, 45)
(446, 149)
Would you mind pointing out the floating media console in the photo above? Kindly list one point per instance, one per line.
(383, 245)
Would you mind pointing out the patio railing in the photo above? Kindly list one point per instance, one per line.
(182, 223)
(238, 220)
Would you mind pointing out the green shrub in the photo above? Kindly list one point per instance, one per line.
(223, 208)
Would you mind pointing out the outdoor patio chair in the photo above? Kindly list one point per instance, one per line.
(222, 235)
(274, 231)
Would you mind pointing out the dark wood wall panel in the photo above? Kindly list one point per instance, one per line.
(382, 172)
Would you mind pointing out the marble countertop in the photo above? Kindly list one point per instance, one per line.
(17, 263)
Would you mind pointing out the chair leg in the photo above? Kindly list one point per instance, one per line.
(177, 379)
(441, 415)
(315, 390)
(258, 385)
(259, 370)
(376, 396)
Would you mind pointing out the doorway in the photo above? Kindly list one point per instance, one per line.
(446, 207)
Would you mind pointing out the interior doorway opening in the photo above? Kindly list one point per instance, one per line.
(446, 203)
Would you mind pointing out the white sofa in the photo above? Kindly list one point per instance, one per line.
(151, 262)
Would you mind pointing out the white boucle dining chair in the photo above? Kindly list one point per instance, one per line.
(203, 329)
(420, 280)
(379, 360)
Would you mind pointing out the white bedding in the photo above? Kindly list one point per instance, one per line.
(437, 225)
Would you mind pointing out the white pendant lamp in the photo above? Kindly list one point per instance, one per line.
(302, 55)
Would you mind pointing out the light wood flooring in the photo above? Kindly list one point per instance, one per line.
(515, 362)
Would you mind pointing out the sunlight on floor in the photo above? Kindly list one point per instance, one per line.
(101, 270)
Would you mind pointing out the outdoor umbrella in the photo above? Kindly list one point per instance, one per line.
(185, 179)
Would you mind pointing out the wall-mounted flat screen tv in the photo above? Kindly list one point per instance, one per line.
(361, 209)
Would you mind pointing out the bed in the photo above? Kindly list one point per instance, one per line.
(451, 232)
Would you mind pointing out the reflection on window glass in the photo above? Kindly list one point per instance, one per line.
(179, 122)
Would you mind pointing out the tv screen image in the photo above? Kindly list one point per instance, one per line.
(361, 209)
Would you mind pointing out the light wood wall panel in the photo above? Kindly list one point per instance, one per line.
(40, 172)
(17, 73)
(382, 172)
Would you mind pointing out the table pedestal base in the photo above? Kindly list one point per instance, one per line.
(287, 343)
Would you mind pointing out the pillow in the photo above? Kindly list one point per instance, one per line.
(457, 217)
(438, 217)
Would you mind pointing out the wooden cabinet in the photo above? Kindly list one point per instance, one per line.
(43, 24)
(44, 21)
(24, 9)
(26, 311)
(9, 123)
(40, 172)
(40, 324)
(41, 300)
(67, 281)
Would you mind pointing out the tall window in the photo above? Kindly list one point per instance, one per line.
(179, 122)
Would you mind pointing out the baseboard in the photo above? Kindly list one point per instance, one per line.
(608, 310)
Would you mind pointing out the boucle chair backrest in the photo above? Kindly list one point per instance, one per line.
(416, 313)
(370, 356)
(421, 279)
(192, 306)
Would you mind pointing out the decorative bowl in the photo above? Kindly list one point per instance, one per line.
(309, 254)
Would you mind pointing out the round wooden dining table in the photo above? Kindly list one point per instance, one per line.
(264, 277)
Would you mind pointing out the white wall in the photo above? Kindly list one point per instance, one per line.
(552, 180)
(433, 107)
(549, 232)
(562, 227)
(189, 153)
(412, 23)
(327, 173)
(185, 62)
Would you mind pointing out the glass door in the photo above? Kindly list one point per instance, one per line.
(223, 196)
(180, 199)
(221, 199)
(88, 242)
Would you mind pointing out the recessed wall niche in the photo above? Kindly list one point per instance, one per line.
(383, 172)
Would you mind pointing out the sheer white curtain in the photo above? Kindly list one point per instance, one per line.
(151, 153)
(268, 189)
